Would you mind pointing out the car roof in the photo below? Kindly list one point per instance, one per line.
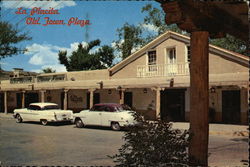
(108, 104)
(43, 104)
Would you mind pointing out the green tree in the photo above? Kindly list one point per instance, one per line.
(153, 144)
(48, 70)
(129, 38)
(231, 43)
(84, 59)
(9, 36)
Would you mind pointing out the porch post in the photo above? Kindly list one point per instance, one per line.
(5, 103)
(23, 99)
(42, 95)
(198, 148)
(65, 100)
(121, 96)
(91, 97)
(158, 103)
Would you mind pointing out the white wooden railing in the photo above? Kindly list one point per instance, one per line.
(163, 70)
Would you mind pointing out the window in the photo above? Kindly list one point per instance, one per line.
(152, 60)
(171, 55)
(188, 54)
(34, 107)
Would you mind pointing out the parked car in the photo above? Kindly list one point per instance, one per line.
(43, 112)
(106, 114)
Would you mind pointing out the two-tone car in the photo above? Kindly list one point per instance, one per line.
(106, 114)
(43, 112)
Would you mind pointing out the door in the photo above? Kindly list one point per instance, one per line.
(128, 99)
(19, 100)
(1, 102)
(31, 98)
(93, 117)
(231, 106)
(107, 115)
(173, 105)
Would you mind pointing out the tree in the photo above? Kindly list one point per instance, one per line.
(48, 70)
(9, 36)
(85, 59)
(231, 43)
(129, 38)
(153, 144)
(156, 17)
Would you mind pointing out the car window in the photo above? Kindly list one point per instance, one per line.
(123, 107)
(97, 108)
(50, 107)
(34, 107)
(107, 109)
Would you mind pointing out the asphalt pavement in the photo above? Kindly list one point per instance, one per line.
(34, 144)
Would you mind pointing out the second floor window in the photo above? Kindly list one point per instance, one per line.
(171, 55)
(152, 60)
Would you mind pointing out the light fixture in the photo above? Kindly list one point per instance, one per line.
(109, 91)
(212, 89)
(145, 90)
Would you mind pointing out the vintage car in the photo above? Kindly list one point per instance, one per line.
(106, 114)
(43, 112)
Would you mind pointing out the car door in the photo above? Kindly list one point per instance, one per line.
(32, 113)
(93, 117)
(107, 116)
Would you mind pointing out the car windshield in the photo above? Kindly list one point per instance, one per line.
(123, 107)
(51, 107)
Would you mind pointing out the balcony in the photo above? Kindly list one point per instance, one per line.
(51, 78)
(162, 70)
(21, 80)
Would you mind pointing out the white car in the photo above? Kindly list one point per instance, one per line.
(42, 112)
(106, 114)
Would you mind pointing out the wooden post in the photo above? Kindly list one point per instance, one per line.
(23, 99)
(198, 149)
(65, 100)
(91, 98)
(5, 102)
(121, 92)
(42, 95)
(158, 103)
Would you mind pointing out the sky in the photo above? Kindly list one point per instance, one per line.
(42, 51)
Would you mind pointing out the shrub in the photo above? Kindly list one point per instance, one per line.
(153, 144)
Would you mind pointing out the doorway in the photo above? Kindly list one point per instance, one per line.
(173, 104)
(128, 99)
(2, 102)
(31, 98)
(96, 99)
(231, 106)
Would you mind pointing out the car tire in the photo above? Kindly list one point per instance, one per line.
(115, 126)
(79, 123)
(44, 122)
(19, 118)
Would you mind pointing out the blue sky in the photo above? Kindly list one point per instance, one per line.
(105, 18)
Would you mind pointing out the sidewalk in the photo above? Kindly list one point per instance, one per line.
(214, 129)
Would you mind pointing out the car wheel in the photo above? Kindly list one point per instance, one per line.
(44, 122)
(79, 123)
(115, 126)
(19, 118)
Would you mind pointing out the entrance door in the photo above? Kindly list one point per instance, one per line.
(128, 99)
(30, 98)
(173, 105)
(19, 100)
(231, 106)
(1, 102)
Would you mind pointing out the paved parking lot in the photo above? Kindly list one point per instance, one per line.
(63, 144)
(57, 144)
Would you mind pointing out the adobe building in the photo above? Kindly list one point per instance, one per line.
(154, 81)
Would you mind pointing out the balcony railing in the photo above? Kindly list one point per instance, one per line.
(51, 78)
(163, 70)
(21, 80)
